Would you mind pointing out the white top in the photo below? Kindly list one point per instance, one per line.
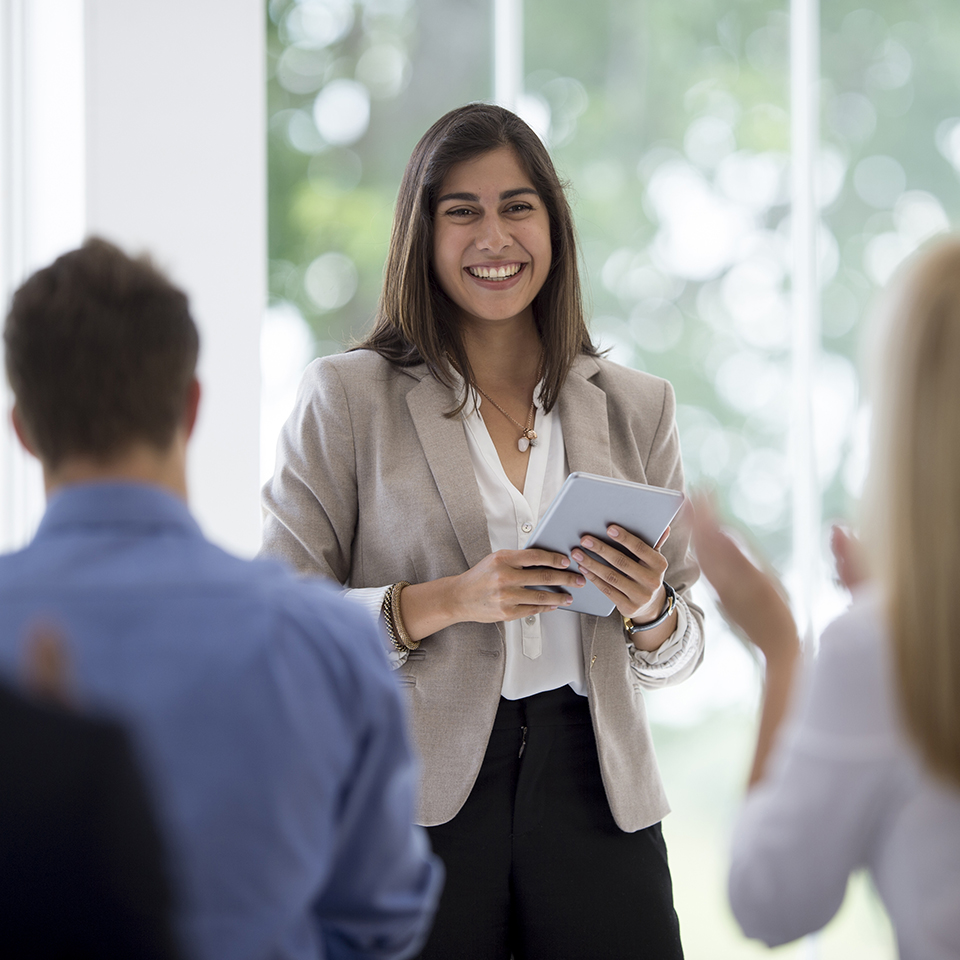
(543, 652)
(845, 789)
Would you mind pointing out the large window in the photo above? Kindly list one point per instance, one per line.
(672, 122)
(352, 86)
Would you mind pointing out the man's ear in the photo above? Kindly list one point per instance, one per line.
(191, 408)
(21, 431)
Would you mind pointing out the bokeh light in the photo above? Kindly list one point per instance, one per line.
(331, 281)
(384, 70)
(318, 23)
(342, 111)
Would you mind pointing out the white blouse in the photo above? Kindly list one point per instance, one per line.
(846, 789)
(543, 652)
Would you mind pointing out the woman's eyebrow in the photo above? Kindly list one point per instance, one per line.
(472, 197)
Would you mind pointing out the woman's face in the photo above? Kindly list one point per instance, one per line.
(491, 238)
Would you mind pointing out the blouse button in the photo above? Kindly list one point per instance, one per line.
(526, 527)
(531, 620)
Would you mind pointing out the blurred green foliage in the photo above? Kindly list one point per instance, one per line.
(633, 94)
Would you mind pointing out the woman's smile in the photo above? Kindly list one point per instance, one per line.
(495, 272)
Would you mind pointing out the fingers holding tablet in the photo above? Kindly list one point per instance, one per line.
(629, 574)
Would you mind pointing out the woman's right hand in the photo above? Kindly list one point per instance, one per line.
(496, 589)
(492, 591)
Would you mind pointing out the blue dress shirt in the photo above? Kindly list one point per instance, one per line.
(267, 720)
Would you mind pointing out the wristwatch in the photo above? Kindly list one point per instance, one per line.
(631, 628)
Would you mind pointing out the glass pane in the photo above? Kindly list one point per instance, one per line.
(351, 88)
(889, 182)
(889, 169)
(672, 123)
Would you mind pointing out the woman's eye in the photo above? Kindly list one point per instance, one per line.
(459, 212)
(519, 208)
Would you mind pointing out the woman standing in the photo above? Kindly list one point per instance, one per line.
(413, 469)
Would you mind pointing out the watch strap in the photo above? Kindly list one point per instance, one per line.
(671, 601)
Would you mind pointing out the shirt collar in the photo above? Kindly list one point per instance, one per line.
(116, 504)
(472, 407)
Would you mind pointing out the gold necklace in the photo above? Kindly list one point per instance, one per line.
(528, 436)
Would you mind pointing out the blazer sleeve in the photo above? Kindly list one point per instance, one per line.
(310, 503)
(665, 469)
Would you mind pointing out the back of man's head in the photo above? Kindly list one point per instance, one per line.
(101, 351)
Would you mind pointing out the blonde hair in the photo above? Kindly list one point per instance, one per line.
(912, 508)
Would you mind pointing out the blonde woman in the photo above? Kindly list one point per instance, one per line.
(867, 771)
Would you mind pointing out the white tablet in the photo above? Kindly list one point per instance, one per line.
(588, 504)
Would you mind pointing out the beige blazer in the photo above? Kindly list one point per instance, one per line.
(374, 485)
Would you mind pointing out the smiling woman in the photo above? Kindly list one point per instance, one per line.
(413, 469)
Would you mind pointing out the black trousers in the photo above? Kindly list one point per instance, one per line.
(537, 869)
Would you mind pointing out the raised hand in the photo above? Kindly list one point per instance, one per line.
(849, 555)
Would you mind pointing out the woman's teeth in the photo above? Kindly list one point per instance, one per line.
(495, 273)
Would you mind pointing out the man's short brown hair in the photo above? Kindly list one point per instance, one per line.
(100, 353)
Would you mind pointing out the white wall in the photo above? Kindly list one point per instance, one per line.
(42, 193)
(175, 159)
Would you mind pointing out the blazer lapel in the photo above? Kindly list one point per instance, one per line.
(583, 412)
(586, 437)
(445, 447)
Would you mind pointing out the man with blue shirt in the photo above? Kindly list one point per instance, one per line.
(262, 707)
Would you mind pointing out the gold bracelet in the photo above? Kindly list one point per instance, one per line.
(386, 611)
(393, 621)
(401, 630)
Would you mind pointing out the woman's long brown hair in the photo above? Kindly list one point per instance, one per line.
(416, 321)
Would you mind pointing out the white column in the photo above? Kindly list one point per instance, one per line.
(804, 106)
(176, 166)
(508, 53)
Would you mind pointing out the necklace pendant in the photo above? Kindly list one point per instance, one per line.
(522, 444)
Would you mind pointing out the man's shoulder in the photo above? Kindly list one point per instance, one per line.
(308, 597)
(192, 584)
(311, 604)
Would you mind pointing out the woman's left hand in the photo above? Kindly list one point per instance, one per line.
(634, 579)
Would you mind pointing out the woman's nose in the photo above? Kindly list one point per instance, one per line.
(493, 235)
